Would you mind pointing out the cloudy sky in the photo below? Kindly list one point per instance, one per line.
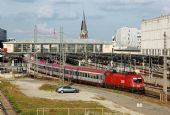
(104, 17)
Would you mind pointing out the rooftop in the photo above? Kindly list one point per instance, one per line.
(156, 18)
(52, 40)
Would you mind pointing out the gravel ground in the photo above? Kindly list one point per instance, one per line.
(30, 87)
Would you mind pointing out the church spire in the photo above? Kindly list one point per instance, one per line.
(84, 31)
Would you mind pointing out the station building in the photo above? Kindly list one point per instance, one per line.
(53, 46)
(152, 35)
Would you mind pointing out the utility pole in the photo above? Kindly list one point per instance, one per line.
(165, 68)
(121, 63)
(149, 65)
(62, 60)
(143, 65)
(85, 49)
(130, 64)
(35, 40)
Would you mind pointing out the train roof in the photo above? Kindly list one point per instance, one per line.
(81, 68)
(71, 67)
(93, 70)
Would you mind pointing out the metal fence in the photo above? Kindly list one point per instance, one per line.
(77, 111)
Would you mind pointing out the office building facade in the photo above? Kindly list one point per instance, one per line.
(152, 35)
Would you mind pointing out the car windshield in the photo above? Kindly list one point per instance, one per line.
(137, 80)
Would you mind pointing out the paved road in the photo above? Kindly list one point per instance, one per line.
(131, 103)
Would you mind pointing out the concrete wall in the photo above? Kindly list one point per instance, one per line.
(107, 48)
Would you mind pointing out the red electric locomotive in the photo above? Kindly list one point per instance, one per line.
(124, 80)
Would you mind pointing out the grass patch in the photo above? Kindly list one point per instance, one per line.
(28, 105)
(48, 87)
(52, 86)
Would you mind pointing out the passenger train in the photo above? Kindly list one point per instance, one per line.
(104, 78)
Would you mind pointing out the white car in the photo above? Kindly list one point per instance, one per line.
(67, 89)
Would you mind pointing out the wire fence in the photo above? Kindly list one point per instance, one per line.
(77, 111)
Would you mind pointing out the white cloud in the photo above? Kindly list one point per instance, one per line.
(67, 15)
(166, 10)
(123, 2)
(46, 11)
(24, 1)
(23, 31)
(137, 1)
(44, 29)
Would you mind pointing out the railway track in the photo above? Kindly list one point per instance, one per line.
(155, 72)
(150, 90)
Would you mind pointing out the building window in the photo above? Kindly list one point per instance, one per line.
(17, 47)
(143, 51)
(26, 47)
(167, 52)
(147, 52)
(54, 48)
(89, 48)
(71, 48)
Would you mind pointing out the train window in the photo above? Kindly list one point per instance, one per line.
(81, 74)
(74, 73)
(66, 71)
(89, 75)
(71, 72)
(77, 73)
(53, 69)
(97, 77)
(137, 80)
(85, 74)
(100, 77)
(56, 70)
(93, 76)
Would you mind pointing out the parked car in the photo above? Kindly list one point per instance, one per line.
(67, 89)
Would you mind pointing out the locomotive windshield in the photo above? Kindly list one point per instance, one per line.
(137, 80)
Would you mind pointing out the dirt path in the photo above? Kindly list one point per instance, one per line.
(6, 108)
